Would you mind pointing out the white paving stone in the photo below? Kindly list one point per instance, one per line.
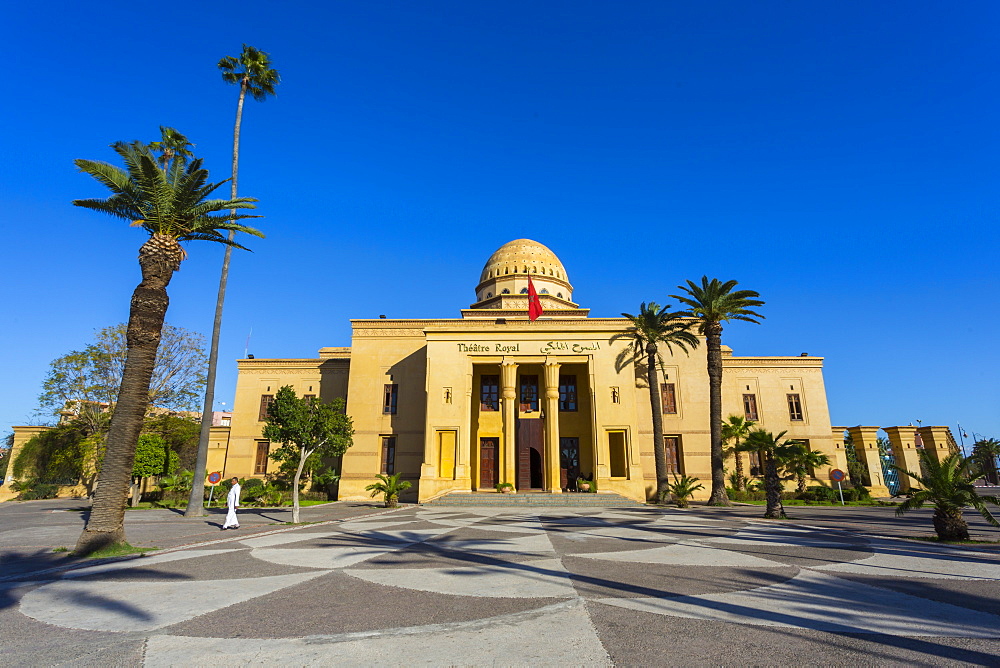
(543, 578)
(145, 561)
(143, 606)
(533, 544)
(825, 603)
(522, 639)
(686, 554)
(897, 559)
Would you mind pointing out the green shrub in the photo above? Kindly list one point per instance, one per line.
(32, 490)
(748, 496)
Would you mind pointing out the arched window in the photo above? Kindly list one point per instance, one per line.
(559, 295)
(524, 291)
(505, 291)
(544, 291)
(505, 270)
(489, 294)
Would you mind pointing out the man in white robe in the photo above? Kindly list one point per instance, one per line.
(232, 503)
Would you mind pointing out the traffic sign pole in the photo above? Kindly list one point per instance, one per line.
(838, 475)
(841, 490)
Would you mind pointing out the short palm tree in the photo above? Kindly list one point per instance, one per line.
(768, 446)
(986, 451)
(735, 429)
(683, 488)
(797, 459)
(947, 485)
(389, 486)
(654, 326)
(254, 74)
(713, 303)
(171, 207)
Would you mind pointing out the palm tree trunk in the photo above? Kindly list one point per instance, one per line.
(950, 525)
(741, 481)
(659, 447)
(772, 487)
(713, 342)
(159, 258)
(196, 502)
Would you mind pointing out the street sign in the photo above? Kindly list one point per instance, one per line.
(837, 475)
(214, 477)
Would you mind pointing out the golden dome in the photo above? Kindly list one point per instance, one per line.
(524, 256)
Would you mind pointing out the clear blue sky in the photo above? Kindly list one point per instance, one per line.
(839, 158)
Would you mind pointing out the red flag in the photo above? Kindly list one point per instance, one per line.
(534, 303)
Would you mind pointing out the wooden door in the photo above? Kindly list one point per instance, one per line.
(488, 472)
(569, 461)
(530, 469)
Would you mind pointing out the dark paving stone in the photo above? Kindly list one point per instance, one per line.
(570, 543)
(338, 603)
(230, 566)
(803, 557)
(595, 578)
(634, 638)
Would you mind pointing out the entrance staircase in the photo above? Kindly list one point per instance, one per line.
(534, 499)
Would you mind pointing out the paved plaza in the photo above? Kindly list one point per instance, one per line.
(441, 586)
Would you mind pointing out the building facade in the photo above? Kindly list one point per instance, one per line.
(462, 404)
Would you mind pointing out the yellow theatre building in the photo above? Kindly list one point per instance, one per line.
(461, 404)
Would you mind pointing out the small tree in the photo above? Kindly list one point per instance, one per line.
(797, 460)
(947, 485)
(985, 452)
(735, 428)
(152, 457)
(389, 486)
(305, 427)
(768, 446)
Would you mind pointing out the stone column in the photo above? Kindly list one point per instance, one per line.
(905, 451)
(552, 471)
(936, 441)
(508, 406)
(866, 450)
(839, 456)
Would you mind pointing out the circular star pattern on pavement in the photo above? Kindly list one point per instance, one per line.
(476, 584)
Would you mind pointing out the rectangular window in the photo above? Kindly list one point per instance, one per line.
(389, 398)
(489, 393)
(672, 445)
(265, 401)
(668, 397)
(388, 455)
(308, 396)
(750, 406)
(567, 394)
(794, 407)
(260, 464)
(529, 393)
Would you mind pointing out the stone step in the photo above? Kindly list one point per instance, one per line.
(493, 500)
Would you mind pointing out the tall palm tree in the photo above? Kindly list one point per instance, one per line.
(986, 452)
(768, 447)
(172, 145)
(713, 303)
(172, 207)
(735, 429)
(947, 484)
(254, 74)
(655, 325)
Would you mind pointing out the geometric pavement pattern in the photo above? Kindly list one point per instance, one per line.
(482, 586)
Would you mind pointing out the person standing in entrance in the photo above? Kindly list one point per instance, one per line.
(232, 503)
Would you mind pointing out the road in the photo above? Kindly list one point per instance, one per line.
(432, 586)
